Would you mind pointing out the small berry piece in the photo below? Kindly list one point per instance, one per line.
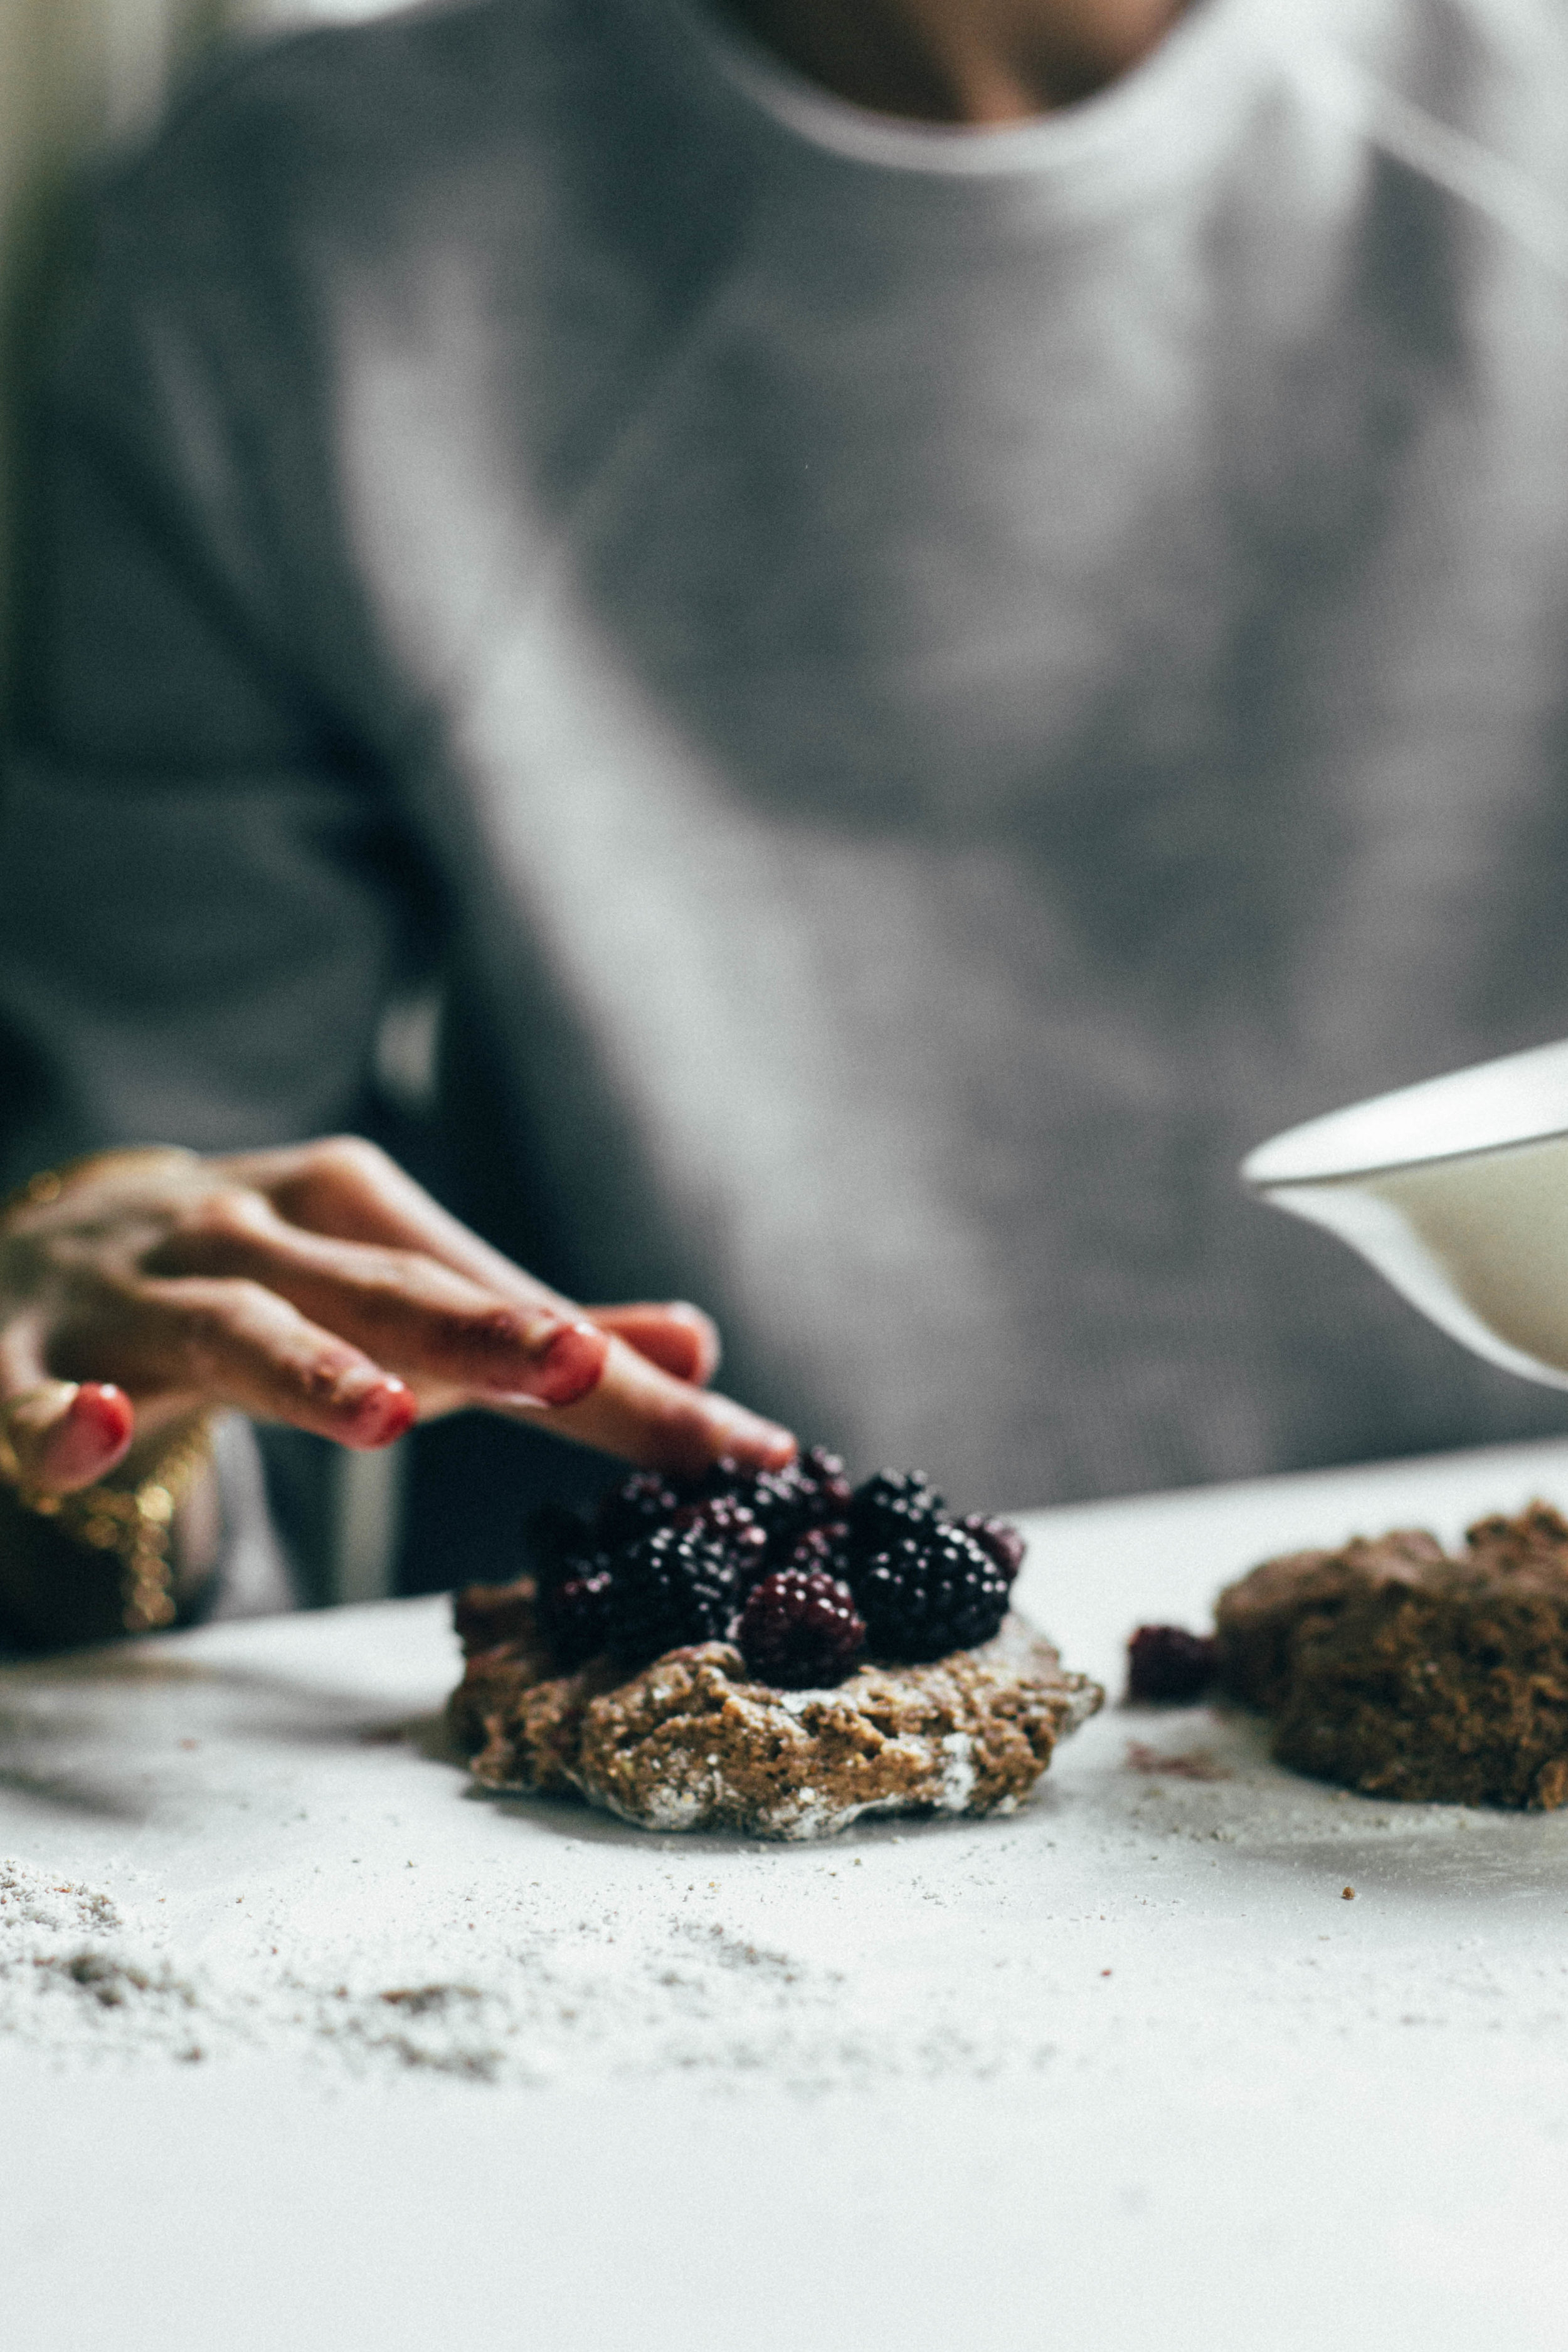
(800, 1631)
(1000, 1537)
(676, 1587)
(1166, 1662)
(930, 1592)
(574, 1612)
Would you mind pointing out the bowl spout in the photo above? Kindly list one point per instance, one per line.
(1456, 1192)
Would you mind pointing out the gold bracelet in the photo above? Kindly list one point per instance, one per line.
(136, 1523)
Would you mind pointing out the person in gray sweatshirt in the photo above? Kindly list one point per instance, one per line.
(908, 624)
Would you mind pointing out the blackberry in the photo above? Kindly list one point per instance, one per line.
(730, 1524)
(928, 1593)
(820, 1485)
(801, 1630)
(767, 1497)
(572, 1583)
(785, 1503)
(551, 1536)
(891, 1507)
(1166, 1662)
(647, 1499)
(825, 1547)
(675, 1587)
(574, 1612)
(1000, 1539)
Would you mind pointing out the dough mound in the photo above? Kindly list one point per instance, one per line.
(690, 1743)
(1397, 1669)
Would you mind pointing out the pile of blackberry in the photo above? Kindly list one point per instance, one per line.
(807, 1573)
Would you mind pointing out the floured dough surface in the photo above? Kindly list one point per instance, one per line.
(692, 1743)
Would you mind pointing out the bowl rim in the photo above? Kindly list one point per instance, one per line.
(1493, 1096)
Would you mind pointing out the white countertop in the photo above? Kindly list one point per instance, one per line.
(1127, 2070)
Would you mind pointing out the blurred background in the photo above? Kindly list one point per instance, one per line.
(79, 80)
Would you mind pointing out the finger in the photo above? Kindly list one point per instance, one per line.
(680, 1339)
(641, 1414)
(58, 1437)
(55, 1435)
(413, 1316)
(238, 1344)
(351, 1190)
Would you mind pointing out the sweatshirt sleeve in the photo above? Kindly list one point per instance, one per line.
(205, 894)
(208, 894)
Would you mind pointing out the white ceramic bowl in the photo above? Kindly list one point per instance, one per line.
(1456, 1190)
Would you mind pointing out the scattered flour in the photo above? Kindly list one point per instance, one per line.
(264, 1883)
(657, 1992)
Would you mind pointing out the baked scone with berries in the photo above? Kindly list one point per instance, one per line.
(771, 1651)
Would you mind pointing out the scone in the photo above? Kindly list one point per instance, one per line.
(1395, 1668)
(770, 1652)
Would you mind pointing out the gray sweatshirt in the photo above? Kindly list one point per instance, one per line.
(918, 688)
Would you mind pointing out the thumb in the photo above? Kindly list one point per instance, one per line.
(58, 1435)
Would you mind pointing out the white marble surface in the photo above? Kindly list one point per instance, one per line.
(1126, 2071)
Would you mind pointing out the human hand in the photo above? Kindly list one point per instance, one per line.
(317, 1284)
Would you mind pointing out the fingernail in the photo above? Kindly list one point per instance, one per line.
(60, 1435)
(92, 1435)
(106, 1407)
(386, 1412)
(570, 1366)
